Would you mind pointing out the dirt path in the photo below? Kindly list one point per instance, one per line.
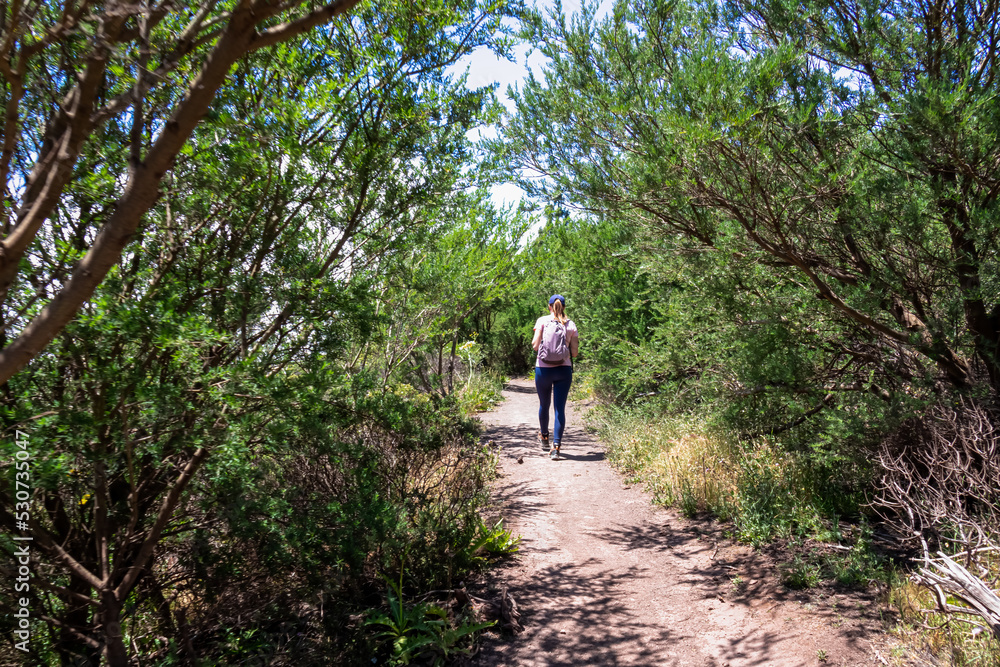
(604, 578)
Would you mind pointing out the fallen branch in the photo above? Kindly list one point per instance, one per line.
(944, 574)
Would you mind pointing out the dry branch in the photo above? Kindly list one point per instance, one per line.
(940, 489)
(940, 482)
(943, 575)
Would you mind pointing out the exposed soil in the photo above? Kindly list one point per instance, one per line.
(603, 577)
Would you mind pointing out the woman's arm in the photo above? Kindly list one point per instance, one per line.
(537, 340)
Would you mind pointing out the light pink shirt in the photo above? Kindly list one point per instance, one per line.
(572, 341)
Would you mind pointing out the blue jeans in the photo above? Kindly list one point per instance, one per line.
(549, 382)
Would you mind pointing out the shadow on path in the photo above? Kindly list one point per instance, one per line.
(520, 439)
(647, 537)
(580, 616)
(521, 389)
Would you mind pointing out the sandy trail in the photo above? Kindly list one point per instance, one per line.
(604, 578)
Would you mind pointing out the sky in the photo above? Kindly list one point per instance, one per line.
(485, 68)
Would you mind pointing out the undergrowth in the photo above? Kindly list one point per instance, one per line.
(767, 493)
(425, 632)
(481, 392)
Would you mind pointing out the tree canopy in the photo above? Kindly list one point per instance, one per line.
(118, 88)
(208, 247)
(848, 148)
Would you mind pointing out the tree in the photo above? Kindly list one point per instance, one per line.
(217, 340)
(70, 71)
(845, 148)
(438, 295)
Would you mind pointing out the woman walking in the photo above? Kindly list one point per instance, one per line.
(557, 343)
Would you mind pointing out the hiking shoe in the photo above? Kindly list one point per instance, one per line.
(544, 439)
(554, 454)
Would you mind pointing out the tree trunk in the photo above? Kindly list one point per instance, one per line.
(114, 644)
(451, 363)
(71, 648)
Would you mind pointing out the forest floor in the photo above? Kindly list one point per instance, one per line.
(604, 577)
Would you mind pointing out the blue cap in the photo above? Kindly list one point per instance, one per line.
(552, 299)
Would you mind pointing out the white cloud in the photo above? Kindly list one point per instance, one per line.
(485, 68)
(506, 194)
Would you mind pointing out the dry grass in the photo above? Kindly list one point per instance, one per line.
(685, 463)
(680, 461)
(695, 472)
(450, 477)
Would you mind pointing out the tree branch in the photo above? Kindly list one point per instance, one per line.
(286, 31)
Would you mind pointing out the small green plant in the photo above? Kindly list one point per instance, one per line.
(689, 501)
(829, 532)
(420, 631)
(493, 541)
(245, 643)
(800, 573)
(860, 566)
(448, 640)
(821, 655)
(407, 628)
(481, 391)
(738, 583)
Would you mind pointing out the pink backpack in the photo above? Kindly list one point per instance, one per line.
(553, 349)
